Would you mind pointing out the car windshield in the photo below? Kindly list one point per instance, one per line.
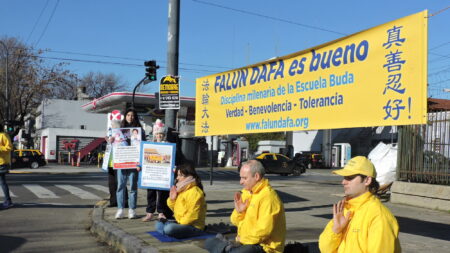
(268, 157)
(282, 158)
(26, 153)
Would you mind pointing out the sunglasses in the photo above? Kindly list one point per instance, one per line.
(350, 178)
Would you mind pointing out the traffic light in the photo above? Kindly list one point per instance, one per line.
(9, 127)
(151, 70)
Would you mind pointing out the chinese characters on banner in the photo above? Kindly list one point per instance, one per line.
(394, 63)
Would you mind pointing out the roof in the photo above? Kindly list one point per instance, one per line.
(118, 100)
(437, 104)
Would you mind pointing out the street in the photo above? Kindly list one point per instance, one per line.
(51, 212)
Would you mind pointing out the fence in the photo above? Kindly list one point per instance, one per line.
(424, 151)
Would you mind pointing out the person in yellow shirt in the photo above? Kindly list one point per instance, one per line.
(361, 223)
(187, 201)
(258, 214)
(5, 164)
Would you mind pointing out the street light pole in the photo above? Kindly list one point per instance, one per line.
(6, 81)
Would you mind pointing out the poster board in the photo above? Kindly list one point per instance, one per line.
(126, 147)
(157, 161)
(106, 157)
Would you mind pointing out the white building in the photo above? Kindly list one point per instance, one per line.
(62, 126)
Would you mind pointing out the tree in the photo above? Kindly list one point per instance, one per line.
(30, 80)
(96, 84)
(99, 84)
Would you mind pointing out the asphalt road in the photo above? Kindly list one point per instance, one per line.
(52, 207)
(51, 213)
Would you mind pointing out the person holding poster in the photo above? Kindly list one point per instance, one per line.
(187, 201)
(112, 173)
(156, 199)
(123, 175)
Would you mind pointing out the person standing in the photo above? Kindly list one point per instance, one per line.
(125, 175)
(258, 214)
(112, 173)
(361, 223)
(6, 148)
(156, 199)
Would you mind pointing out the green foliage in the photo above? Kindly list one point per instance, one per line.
(253, 139)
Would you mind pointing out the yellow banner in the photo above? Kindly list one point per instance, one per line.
(377, 77)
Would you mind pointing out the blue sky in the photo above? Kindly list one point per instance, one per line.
(123, 34)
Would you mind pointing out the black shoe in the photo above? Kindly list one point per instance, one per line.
(7, 204)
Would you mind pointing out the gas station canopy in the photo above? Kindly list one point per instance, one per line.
(143, 103)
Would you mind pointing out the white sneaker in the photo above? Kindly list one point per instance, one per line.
(119, 213)
(131, 214)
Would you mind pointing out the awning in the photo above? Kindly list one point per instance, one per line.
(119, 100)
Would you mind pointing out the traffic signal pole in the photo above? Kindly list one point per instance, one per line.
(172, 53)
(134, 91)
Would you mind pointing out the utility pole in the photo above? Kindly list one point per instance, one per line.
(172, 53)
(327, 148)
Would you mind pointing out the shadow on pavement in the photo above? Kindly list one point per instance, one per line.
(10, 243)
(288, 198)
(306, 208)
(221, 212)
(424, 228)
(213, 202)
(327, 216)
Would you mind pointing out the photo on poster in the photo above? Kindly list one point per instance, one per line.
(157, 164)
(126, 147)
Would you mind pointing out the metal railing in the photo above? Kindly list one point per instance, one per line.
(424, 151)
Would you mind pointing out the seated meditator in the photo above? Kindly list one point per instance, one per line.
(258, 214)
(361, 223)
(187, 201)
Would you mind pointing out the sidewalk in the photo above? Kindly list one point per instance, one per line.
(307, 201)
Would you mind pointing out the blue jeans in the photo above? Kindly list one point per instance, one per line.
(5, 187)
(176, 230)
(122, 178)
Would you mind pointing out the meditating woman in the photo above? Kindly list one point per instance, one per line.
(187, 201)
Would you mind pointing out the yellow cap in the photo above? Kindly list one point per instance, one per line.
(358, 165)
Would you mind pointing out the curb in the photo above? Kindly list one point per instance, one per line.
(116, 237)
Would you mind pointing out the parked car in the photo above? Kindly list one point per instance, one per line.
(309, 159)
(32, 158)
(279, 164)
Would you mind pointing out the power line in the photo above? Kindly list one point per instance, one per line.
(439, 12)
(269, 17)
(48, 22)
(441, 82)
(441, 58)
(37, 21)
(118, 63)
(438, 46)
(127, 58)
